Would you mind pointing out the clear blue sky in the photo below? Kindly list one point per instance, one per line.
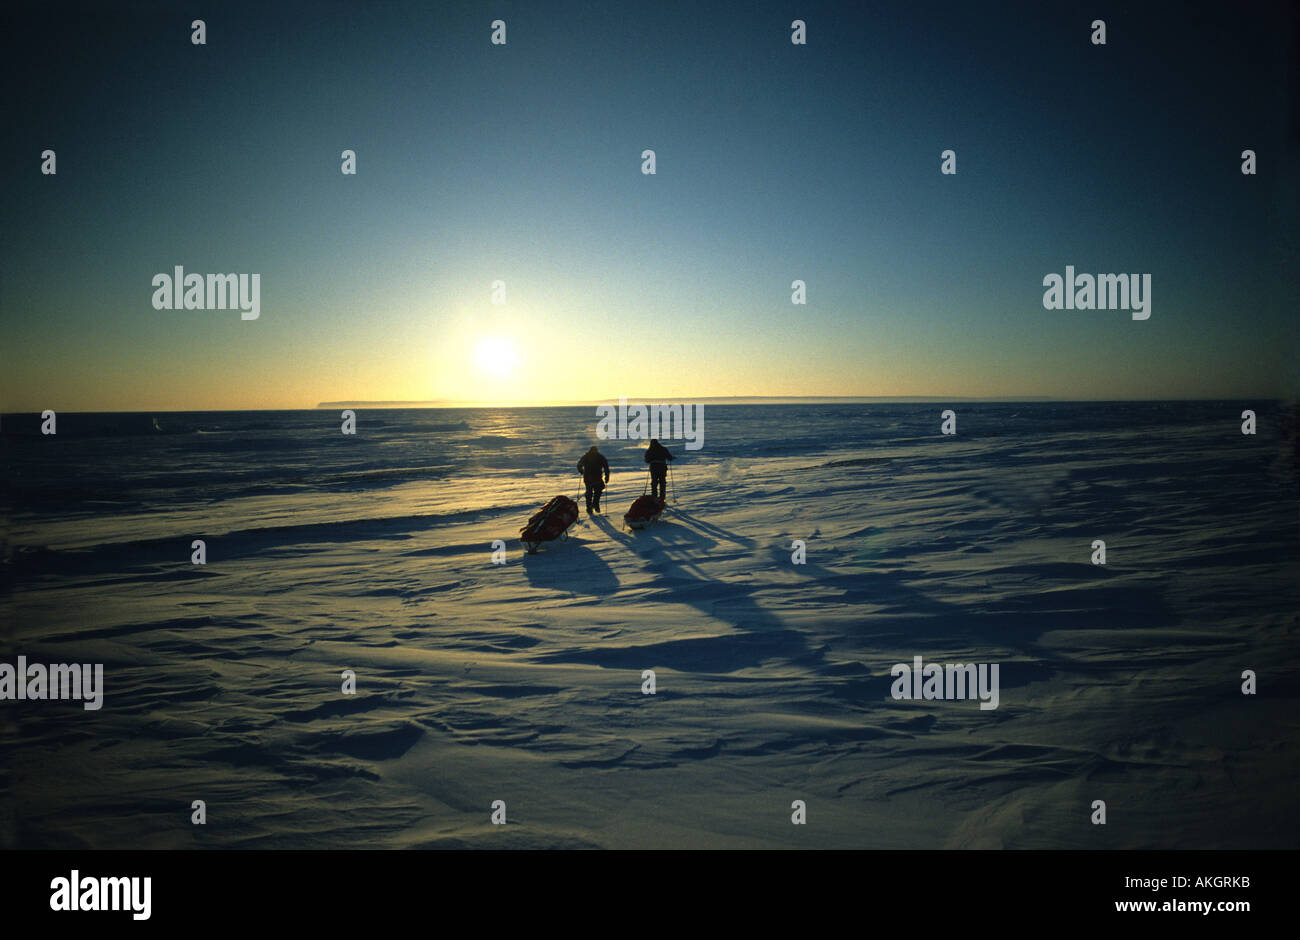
(522, 163)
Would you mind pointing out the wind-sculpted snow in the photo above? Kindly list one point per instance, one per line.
(523, 681)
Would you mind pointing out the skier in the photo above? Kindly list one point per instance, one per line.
(592, 465)
(657, 456)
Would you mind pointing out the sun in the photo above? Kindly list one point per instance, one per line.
(496, 356)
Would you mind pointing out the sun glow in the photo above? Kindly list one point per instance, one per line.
(496, 356)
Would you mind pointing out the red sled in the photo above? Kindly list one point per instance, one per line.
(644, 511)
(548, 523)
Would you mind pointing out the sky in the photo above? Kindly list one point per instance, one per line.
(521, 163)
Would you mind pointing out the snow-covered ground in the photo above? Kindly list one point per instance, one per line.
(522, 682)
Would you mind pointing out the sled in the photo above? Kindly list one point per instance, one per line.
(644, 511)
(548, 523)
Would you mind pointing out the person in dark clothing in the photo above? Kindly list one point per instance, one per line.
(657, 456)
(595, 473)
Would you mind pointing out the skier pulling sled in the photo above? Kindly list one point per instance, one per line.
(648, 507)
(549, 523)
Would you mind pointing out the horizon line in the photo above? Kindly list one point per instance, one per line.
(763, 399)
(448, 404)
